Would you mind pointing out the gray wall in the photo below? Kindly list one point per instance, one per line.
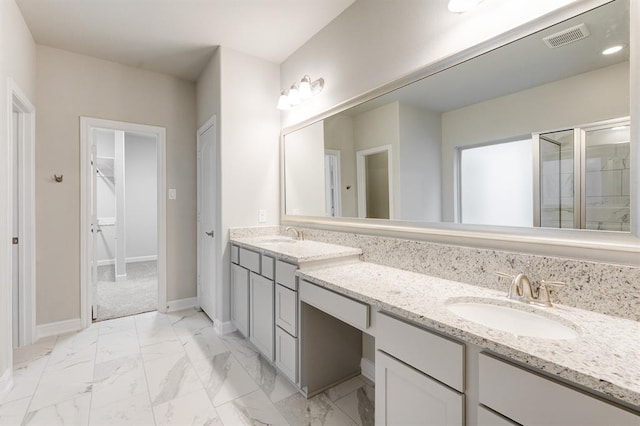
(69, 86)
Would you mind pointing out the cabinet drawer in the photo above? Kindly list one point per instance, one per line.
(487, 417)
(286, 274)
(287, 309)
(267, 266)
(348, 310)
(287, 354)
(405, 396)
(531, 399)
(235, 254)
(250, 260)
(437, 356)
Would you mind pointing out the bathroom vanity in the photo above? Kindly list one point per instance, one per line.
(430, 362)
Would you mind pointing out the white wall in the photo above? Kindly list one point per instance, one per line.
(419, 164)
(601, 94)
(141, 196)
(338, 135)
(18, 62)
(239, 89)
(380, 127)
(69, 86)
(375, 42)
(304, 171)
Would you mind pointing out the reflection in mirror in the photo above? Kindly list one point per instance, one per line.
(534, 133)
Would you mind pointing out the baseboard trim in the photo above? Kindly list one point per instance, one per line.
(368, 369)
(6, 380)
(180, 304)
(224, 327)
(128, 260)
(60, 327)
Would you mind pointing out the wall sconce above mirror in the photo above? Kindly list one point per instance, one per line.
(300, 92)
(526, 135)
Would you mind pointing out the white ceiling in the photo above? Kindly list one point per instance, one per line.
(177, 37)
(520, 65)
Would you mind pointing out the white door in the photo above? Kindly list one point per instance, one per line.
(95, 229)
(206, 218)
(15, 255)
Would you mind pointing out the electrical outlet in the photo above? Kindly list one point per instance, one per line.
(262, 216)
(172, 194)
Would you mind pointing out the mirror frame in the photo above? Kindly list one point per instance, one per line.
(599, 246)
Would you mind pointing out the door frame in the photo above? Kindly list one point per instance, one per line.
(362, 178)
(86, 125)
(18, 100)
(337, 181)
(210, 123)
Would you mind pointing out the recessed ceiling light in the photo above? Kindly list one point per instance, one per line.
(613, 49)
(461, 6)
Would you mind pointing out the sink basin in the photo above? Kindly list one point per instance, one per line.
(279, 240)
(514, 321)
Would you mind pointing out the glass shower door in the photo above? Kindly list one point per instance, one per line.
(606, 198)
(555, 195)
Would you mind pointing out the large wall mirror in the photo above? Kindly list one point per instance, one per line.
(532, 134)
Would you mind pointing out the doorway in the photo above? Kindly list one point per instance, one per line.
(375, 183)
(123, 211)
(21, 215)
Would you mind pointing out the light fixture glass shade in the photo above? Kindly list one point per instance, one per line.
(305, 88)
(461, 6)
(613, 49)
(294, 95)
(283, 101)
(317, 86)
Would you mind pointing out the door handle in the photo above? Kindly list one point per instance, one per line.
(209, 234)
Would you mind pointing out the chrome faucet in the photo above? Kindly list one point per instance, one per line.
(299, 235)
(522, 290)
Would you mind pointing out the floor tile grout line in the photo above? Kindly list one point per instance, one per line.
(144, 370)
(40, 379)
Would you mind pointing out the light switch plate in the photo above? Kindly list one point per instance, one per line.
(262, 216)
(172, 194)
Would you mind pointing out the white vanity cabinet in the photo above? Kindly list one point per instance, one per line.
(261, 325)
(240, 298)
(419, 376)
(531, 399)
(286, 318)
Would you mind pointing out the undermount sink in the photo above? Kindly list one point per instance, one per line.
(279, 240)
(512, 320)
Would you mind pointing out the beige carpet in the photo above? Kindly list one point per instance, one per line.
(139, 293)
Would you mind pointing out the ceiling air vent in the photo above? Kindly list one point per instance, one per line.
(567, 36)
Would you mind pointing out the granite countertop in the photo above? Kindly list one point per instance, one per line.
(301, 252)
(605, 357)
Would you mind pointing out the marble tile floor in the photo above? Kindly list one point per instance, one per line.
(165, 369)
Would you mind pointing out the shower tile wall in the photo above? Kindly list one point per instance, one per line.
(607, 180)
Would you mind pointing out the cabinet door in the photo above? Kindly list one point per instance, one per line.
(405, 396)
(261, 319)
(287, 354)
(240, 298)
(287, 310)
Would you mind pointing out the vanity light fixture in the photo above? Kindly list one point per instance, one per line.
(462, 6)
(613, 49)
(283, 100)
(300, 92)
